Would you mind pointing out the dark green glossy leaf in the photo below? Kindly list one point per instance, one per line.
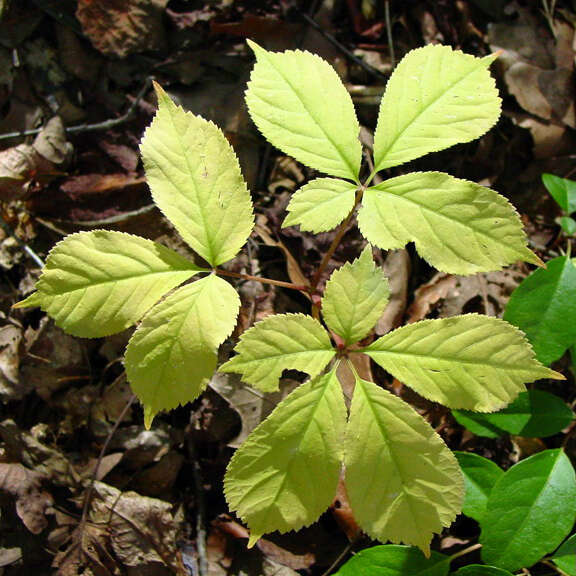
(481, 570)
(568, 225)
(565, 556)
(544, 308)
(534, 414)
(562, 190)
(395, 561)
(531, 509)
(480, 475)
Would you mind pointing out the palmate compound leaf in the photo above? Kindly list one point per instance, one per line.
(173, 353)
(403, 482)
(196, 181)
(278, 343)
(471, 362)
(300, 105)
(321, 204)
(98, 283)
(436, 97)
(285, 474)
(355, 298)
(457, 226)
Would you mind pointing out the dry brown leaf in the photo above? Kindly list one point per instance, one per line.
(25, 486)
(10, 341)
(122, 27)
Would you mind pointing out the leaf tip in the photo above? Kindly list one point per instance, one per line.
(256, 48)
(149, 415)
(253, 539)
(32, 301)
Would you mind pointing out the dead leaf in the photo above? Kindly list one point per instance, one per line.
(122, 27)
(32, 502)
(397, 268)
(10, 350)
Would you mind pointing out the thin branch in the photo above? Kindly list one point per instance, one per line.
(8, 229)
(465, 551)
(81, 128)
(339, 558)
(370, 69)
(251, 278)
(342, 229)
(389, 33)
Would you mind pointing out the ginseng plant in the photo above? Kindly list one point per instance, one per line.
(402, 481)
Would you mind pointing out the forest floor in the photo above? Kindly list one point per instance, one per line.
(72, 443)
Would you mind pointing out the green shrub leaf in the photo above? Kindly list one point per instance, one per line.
(196, 181)
(321, 204)
(562, 190)
(565, 556)
(436, 97)
(355, 298)
(278, 343)
(481, 570)
(544, 308)
(101, 282)
(301, 106)
(472, 362)
(534, 414)
(173, 353)
(480, 475)
(457, 226)
(393, 560)
(285, 474)
(402, 481)
(531, 509)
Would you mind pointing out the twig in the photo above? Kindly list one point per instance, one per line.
(200, 512)
(465, 551)
(342, 229)
(370, 69)
(90, 489)
(8, 229)
(389, 33)
(106, 125)
(340, 557)
(249, 277)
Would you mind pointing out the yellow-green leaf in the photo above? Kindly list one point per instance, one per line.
(301, 106)
(173, 353)
(196, 181)
(321, 204)
(285, 474)
(278, 343)
(355, 298)
(457, 226)
(472, 362)
(435, 98)
(101, 282)
(402, 481)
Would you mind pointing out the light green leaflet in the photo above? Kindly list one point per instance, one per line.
(471, 362)
(285, 474)
(321, 204)
(101, 282)
(436, 97)
(301, 106)
(278, 343)
(195, 180)
(173, 352)
(402, 481)
(355, 298)
(458, 226)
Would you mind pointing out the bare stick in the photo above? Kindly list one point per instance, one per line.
(465, 551)
(389, 32)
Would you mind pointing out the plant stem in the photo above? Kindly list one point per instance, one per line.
(342, 229)
(280, 283)
(465, 551)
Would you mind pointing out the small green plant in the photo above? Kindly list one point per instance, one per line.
(404, 484)
(564, 192)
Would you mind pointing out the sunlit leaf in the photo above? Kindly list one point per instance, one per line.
(355, 298)
(285, 474)
(435, 98)
(173, 353)
(402, 481)
(531, 509)
(101, 282)
(301, 106)
(472, 362)
(321, 204)
(457, 226)
(544, 308)
(278, 343)
(196, 181)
